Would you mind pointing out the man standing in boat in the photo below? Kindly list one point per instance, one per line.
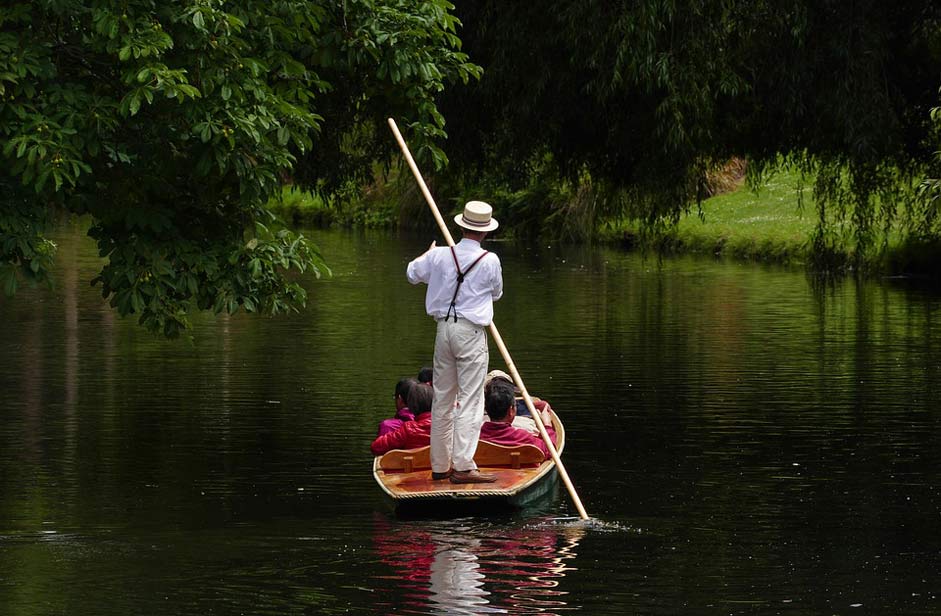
(463, 282)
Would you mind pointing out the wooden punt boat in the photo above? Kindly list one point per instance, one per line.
(523, 476)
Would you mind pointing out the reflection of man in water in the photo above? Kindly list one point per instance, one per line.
(457, 584)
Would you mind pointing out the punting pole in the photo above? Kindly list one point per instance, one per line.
(493, 329)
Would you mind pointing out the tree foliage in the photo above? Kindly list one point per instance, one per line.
(172, 123)
(644, 97)
(927, 225)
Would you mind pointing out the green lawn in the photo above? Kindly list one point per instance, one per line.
(767, 225)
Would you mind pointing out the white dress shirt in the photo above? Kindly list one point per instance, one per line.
(481, 287)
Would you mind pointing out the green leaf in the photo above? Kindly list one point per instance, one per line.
(134, 105)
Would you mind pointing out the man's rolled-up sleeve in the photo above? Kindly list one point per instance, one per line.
(419, 269)
(497, 281)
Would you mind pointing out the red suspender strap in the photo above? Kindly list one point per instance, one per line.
(476, 261)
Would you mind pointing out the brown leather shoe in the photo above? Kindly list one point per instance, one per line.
(439, 476)
(472, 476)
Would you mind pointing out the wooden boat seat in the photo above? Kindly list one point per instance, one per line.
(491, 454)
(406, 460)
(487, 455)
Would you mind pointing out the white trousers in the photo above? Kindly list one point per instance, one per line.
(460, 366)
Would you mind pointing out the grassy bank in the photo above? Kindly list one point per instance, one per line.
(772, 224)
(767, 225)
(301, 208)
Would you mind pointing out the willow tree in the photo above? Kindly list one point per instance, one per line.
(644, 97)
(172, 123)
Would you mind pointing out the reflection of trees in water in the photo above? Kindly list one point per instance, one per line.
(460, 568)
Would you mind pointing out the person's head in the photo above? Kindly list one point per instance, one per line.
(476, 220)
(499, 401)
(425, 375)
(419, 399)
(401, 392)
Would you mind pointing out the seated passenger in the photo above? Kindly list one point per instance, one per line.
(500, 405)
(524, 419)
(412, 434)
(402, 412)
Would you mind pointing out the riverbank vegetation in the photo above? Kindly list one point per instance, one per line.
(776, 221)
(570, 133)
(647, 99)
(176, 125)
(772, 220)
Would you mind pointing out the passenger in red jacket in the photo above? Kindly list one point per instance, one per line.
(402, 413)
(411, 434)
(500, 404)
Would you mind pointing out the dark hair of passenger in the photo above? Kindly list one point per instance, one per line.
(403, 387)
(498, 399)
(425, 375)
(419, 399)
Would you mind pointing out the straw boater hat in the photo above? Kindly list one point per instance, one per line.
(500, 374)
(477, 216)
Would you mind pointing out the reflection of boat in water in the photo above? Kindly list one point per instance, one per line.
(523, 475)
(473, 567)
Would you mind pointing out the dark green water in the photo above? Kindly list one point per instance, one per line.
(748, 444)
